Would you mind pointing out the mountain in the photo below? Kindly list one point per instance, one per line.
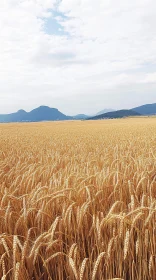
(147, 109)
(105, 111)
(45, 113)
(42, 113)
(115, 115)
(80, 117)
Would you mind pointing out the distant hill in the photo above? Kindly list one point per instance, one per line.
(80, 117)
(42, 113)
(115, 115)
(105, 111)
(45, 113)
(147, 109)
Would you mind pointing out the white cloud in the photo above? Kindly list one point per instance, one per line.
(149, 78)
(108, 45)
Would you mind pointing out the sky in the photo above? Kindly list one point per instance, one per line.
(80, 56)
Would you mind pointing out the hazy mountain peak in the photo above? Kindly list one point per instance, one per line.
(81, 117)
(43, 107)
(21, 111)
(107, 110)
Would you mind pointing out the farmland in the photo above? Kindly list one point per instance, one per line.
(78, 200)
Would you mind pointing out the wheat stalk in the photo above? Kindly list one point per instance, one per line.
(126, 244)
(54, 256)
(82, 268)
(95, 269)
(5, 246)
(72, 265)
(17, 271)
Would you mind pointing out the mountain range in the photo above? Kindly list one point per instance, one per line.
(42, 113)
(116, 115)
(147, 109)
(45, 113)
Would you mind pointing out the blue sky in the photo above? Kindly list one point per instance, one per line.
(52, 25)
(79, 56)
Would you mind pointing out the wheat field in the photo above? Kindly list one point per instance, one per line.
(78, 200)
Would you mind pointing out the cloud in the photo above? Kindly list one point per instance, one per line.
(150, 78)
(94, 48)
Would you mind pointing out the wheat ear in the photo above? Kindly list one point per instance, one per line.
(82, 269)
(72, 264)
(97, 265)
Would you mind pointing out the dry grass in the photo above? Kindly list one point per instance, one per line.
(78, 200)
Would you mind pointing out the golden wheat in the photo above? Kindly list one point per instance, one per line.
(71, 191)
